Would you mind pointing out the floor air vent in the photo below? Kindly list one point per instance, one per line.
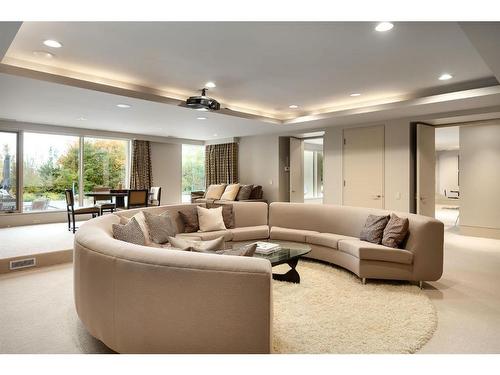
(22, 263)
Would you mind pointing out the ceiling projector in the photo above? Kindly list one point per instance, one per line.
(202, 102)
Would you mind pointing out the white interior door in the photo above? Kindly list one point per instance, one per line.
(363, 167)
(296, 170)
(426, 170)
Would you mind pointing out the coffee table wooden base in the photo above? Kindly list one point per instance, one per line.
(292, 276)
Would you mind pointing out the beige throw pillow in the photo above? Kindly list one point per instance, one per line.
(197, 245)
(231, 192)
(215, 191)
(210, 219)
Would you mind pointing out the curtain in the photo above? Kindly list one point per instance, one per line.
(141, 176)
(221, 164)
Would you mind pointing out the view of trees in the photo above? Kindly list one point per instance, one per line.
(104, 165)
(193, 168)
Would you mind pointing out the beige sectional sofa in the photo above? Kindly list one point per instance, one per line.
(139, 299)
(333, 231)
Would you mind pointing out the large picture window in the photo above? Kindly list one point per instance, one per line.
(8, 172)
(50, 165)
(193, 170)
(105, 164)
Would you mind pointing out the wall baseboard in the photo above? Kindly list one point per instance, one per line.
(42, 260)
(467, 230)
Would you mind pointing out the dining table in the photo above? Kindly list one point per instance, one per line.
(119, 197)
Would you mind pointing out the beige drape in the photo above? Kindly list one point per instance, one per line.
(141, 176)
(221, 163)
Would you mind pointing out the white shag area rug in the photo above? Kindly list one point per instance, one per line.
(331, 311)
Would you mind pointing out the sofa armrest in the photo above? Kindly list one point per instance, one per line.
(426, 242)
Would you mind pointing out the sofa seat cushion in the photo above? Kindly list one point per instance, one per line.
(205, 236)
(327, 239)
(369, 251)
(258, 232)
(286, 234)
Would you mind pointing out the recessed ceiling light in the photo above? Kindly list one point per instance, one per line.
(445, 77)
(216, 135)
(384, 26)
(293, 106)
(52, 43)
(43, 54)
(123, 105)
(201, 118)
(81, 118)
(355, 94)
(210, 85)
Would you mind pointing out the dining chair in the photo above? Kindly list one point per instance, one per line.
(155, 196)
(104, 202)
(72, 211)
(119, 201)
(137, 198)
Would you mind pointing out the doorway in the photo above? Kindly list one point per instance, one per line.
(313, 170)
(447, 148)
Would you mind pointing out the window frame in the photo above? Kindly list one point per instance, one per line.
(18, 175)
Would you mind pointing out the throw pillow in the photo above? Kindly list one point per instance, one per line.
(130, 232)
(244, 251)
(160, 227)
(215, 191)
(373, 231)
(210, 219)
(197, 245)
(256, 192)
(141, 220)
(190, 219)
(230, 192)
(244, 193)
(227, 213)
(396, 231)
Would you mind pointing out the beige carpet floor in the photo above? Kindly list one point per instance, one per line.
(329, 312)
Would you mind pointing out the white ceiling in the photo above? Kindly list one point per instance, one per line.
(31, 100)
(259, 66)
(448, 138)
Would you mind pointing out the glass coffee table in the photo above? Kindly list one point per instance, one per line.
(289, 253)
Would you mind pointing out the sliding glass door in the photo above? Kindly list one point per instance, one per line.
(8, 172)
(50, 165)
(105, 164)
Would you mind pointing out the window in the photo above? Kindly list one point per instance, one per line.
(193, 170)
(50, 166)
(105, 164)
(8, 172)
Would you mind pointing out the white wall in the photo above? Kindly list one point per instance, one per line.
(397, 165)
(480, 179)
(166, 159)
(259, 164)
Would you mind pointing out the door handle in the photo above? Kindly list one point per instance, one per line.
(378, 196)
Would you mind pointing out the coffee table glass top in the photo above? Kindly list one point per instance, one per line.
(287, 252)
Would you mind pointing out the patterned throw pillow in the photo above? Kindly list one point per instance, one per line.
(160, 227)
(396, 231)
(197, 245)
(244, 251)
(244, 193)
(130, 232)
(373, 231)
(227, 213)
(190, 219)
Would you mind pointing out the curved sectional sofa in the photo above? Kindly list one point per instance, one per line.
(139, 299)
